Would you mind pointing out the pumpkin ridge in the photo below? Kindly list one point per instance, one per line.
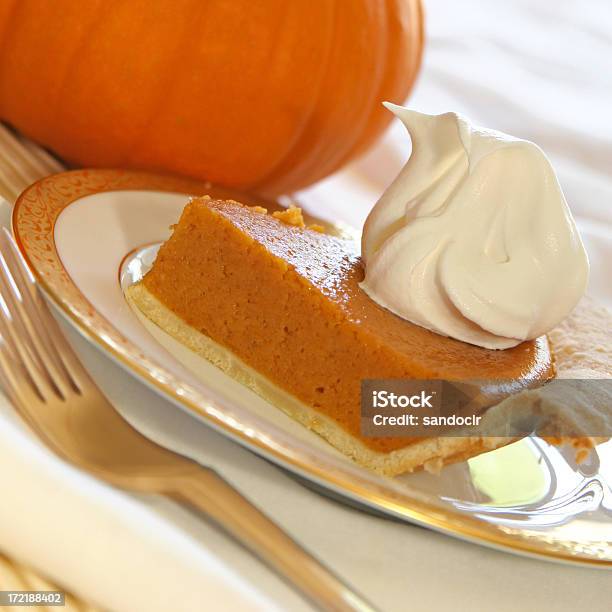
(294, 150)
(299, 132)
(56, 108)
(394, 72)
(411, 72)
(337, 159)
(269, 94)
(184, 43)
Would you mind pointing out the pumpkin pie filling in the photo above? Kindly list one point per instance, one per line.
(286, 301)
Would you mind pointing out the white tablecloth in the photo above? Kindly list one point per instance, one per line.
(540, 70)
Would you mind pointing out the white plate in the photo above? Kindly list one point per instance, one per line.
(85, 232)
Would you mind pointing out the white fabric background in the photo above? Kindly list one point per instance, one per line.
(537, 69)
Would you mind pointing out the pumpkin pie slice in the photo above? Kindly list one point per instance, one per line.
(240, 286)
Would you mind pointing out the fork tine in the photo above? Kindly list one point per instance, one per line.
(4, 334)
(15, 327)
(15, 381)
(42, 358)
(62, 364)
(18, 386)
(12, 361)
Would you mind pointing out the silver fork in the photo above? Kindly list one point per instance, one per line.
(56, 396)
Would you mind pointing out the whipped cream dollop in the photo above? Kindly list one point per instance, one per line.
(474, 239)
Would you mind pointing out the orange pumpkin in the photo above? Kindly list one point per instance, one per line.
(269, 95)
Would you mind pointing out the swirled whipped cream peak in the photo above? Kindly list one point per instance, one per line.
(474, 239)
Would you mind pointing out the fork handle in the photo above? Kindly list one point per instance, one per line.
(211, 494)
